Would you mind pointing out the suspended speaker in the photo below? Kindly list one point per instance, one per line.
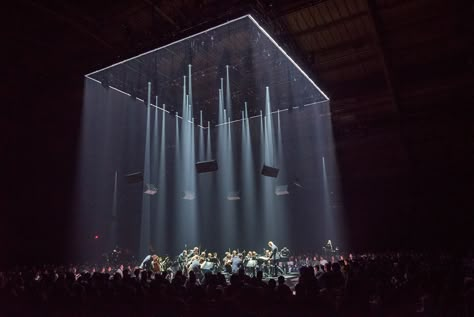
(206, 166)
(270, 171)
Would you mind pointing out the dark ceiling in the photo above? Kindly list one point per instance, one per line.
(399, 74)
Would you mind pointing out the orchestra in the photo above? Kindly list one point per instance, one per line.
(271, 262)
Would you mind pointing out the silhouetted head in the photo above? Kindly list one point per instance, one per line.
(271, 283)
(281, 279)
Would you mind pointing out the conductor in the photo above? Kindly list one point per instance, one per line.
(274, 257)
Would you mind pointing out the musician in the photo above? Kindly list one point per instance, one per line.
(284, 258)
(191, 255)
(274, 256)
(328, 249)
(208, 265)
(213, 258)
(194, 265)
(250, 263)
(268, 262)
(273, 250)
(147, 262)
(115, 256)
(155, 263)
(236, 263)
(329, 246)
(182, 259)
(227, 260)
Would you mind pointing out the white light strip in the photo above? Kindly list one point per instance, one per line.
(95, 80)
(152, 105)
(291, 60)
(203, 32)
(315, 103)
(159, 108)
(229, 122)
(257, 116)
(162, 47)
(217, 125)
(121, 91)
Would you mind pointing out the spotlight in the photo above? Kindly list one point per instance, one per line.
(233, 195)
(281, 190)
(151, 189)
(189, 195)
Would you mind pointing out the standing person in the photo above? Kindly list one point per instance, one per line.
(147, 262)
(236, 263)
(182, 260)
(227, 262)
(274, 256)
(194, 266)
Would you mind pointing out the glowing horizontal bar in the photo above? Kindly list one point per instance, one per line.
(116, 89)
(152, 105)
(167, 45)
(95, 80)
(314, 103)
(288, 56)
(259, 115)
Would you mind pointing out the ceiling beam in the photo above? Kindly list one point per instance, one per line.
(320, 28)
(297, 6)
(347, 61)
(162, 13)
(446, 61)
(347, 88)
(377, 38)
(360, 43)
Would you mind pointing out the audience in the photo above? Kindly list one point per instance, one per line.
(369, 285)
